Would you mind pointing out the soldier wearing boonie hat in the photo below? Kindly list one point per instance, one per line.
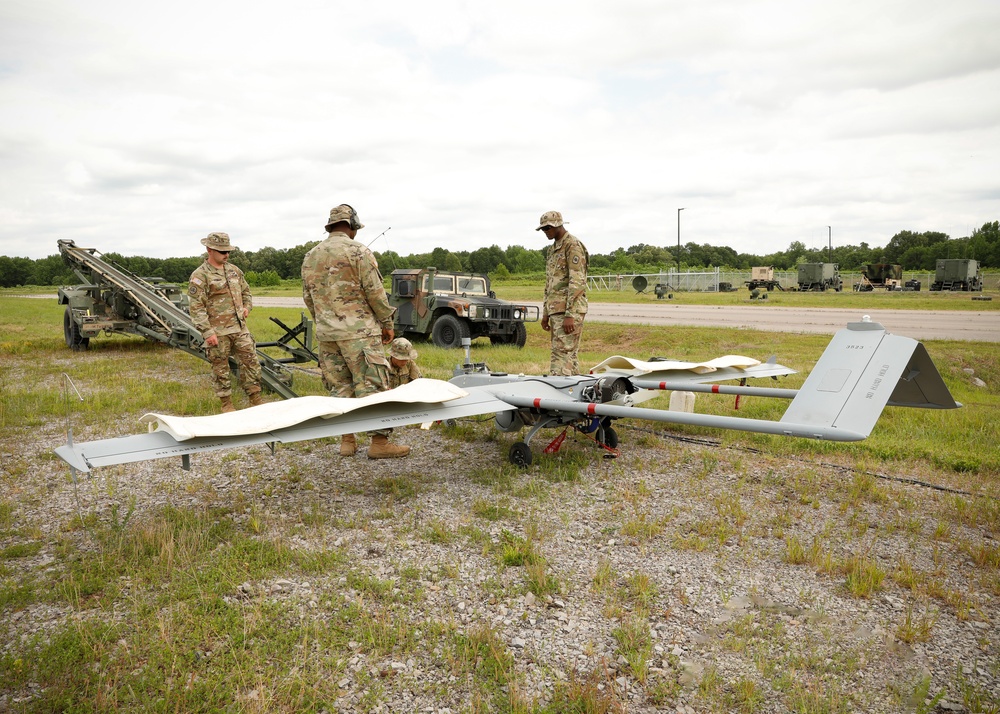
(219, 302)
(402, 363)
(342, 288)
(565, 303)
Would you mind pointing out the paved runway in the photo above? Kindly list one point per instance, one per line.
(919, 324)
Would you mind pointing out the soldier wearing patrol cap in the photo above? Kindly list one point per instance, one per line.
(220, 301)
(565, 303)
(342, 287)
(402, 363)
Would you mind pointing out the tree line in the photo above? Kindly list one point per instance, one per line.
(914, 251)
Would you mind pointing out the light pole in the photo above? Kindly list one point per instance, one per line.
(829, 244)
(679, 243)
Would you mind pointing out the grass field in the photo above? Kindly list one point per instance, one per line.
(147, 596)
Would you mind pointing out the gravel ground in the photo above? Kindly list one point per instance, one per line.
(704, 528)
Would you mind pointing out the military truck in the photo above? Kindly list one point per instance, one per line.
(762, 277)
(819, 277)
(449, 306)
(888, 276)
(957, 274)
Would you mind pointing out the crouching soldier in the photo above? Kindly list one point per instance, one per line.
(402, 363)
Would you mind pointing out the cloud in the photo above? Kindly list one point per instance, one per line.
(458, 123)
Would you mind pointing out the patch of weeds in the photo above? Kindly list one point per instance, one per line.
(563, 468)
(20, 550)
(864, 577)
(475, 535)
(366, 584)
(501, 479)
(535, 488)
(984, 555)
(711, 684)
(974, 697)
(956, 599)
(635, 645)
(942, 531)
(746, 696)
(906, 577)
(864, 488)
(541, 580)
(641, 590)
(795, 552)
(591, 694)
(495, 511)
(17, 597)
(514, 551)
(921, 699)
(690, 541)
(397, 489)
(6, 514)
(916, 628)
(604, 578)
(642, 529)
(439, 532)
(484, 656)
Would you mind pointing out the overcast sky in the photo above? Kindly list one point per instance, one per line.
(140, 127)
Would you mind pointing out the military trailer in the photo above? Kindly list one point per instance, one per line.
(113, 300)
(450, 306)
(880, 276)
(820, 277)
(957, 274)
(762, 277)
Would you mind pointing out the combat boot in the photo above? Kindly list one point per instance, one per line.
(255, 399)
(380, 448)
(348, 445)
(227, 404)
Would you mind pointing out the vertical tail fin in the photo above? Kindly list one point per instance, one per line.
(863, 369)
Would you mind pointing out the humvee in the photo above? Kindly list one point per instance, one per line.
(449, 306)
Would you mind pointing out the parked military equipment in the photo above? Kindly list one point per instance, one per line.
(762, 277)
(449, 306)
(957, 274)
(819, 277)
(111, 300)
(880, 276)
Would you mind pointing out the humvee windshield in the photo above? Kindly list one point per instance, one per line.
(466, 284)
(471, 286)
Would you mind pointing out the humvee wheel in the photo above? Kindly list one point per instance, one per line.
(520, 335)
(520, 454)
(448, 331)
(74, 340)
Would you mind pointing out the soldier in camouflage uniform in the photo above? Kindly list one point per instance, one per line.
(342, 288)
(219, 304)
(402, 363)
(565, 293)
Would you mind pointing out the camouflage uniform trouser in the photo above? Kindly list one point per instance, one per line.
(564, 347)
(354, 369)
(243, 349)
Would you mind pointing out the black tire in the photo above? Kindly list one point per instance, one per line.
(448, 331)
(608, 436)
(74, 340)
(520, 454)
(520, 335)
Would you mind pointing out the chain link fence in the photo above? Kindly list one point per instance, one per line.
(725, 281)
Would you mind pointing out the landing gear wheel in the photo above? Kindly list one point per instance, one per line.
(608, 436)
(74, 340)
(448, 331)
(520, 454)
